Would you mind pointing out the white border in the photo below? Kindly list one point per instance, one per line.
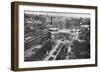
(33, 64)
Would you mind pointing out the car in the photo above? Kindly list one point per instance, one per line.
(51, 58)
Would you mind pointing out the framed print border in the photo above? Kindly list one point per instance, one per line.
(15, 34)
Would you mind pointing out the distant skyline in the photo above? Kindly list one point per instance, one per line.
(65, 14)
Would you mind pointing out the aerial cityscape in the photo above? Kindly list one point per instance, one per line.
(50, 36)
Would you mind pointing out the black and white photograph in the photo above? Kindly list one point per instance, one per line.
(53, 36)
(50, 36)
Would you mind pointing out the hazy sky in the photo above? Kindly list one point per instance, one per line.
(66, 14)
